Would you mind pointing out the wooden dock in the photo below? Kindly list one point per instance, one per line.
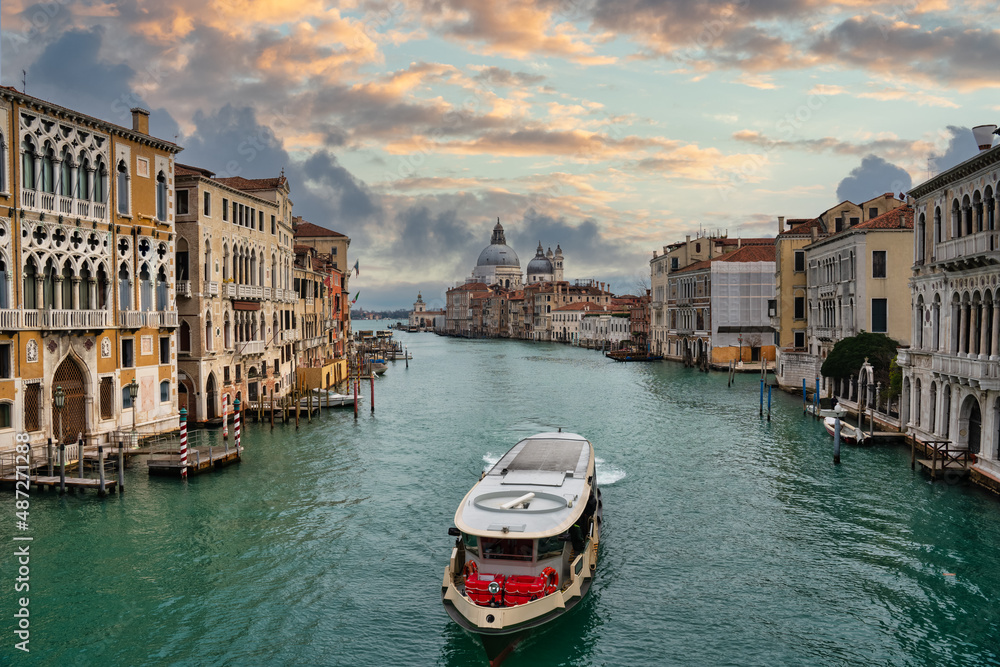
(110, 485)
(199, 460)
(944, 459)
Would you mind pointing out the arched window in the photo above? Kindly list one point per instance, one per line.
(49, 285)
(225, 263)
(48, 173)
(209, 337)
(921, 226)
(66, 286)
(165, 391)
(937, 224)
(83, 179)
(101, 182)
(31, 284)
(145, 288)
(66, 173)
(977, 205)
(932, 424)
(86, 279)
(29, 164)
(990, 204)
(208, 261)
(181, 259)
(956, 220)
(260, 271)
(161, 290)
(184, 343)
(916, 402)
(103, 288)
(161, 197)
(946, 410)
(122, 187)
(4, 290)
(124, 287)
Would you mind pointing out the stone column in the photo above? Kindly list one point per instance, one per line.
(995, 346)
(983, 330)
(92, 290)
(76, 293)
(963, 329)
(58, 292)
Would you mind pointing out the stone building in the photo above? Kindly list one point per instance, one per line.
(235, 293)
(319, 353)
(951, 373)
(86, 274)
(498, 263)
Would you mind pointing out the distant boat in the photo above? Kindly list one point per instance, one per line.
(323, 398)
(528, 535)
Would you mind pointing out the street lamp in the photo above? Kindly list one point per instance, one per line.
(60, 401)
(133, 392)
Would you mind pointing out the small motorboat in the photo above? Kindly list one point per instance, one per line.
(527, 541)
(323, 398)
(849, 433)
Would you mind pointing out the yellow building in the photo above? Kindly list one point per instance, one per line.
(86, 274)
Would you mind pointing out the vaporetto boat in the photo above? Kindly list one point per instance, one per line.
(527, 542)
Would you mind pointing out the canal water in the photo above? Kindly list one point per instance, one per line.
(729, 540)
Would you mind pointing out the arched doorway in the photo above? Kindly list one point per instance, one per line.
(211, 398)
(182, 398)
(72, 379)
(971, 423)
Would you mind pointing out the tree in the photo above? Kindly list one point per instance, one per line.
(847, 356)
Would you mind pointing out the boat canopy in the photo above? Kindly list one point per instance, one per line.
(538, 488)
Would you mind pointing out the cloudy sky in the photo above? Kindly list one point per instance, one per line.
(611, 127)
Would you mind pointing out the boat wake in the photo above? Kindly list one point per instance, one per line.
(607, 474)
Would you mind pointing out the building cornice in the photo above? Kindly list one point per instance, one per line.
(974, 164)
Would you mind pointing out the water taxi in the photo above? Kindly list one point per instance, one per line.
(527, 541)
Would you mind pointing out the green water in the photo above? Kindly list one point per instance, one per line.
(728, 541)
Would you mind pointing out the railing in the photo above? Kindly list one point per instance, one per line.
(66, 205)
(50, 201)
(251, 347)
(184, 288)
(10, 319)
(228, 289)
(100, 210)
(131, 319)
(28, 198)
(212, 288)
(310, 301)
(161, 318)
(249, 291)
(315, 341)
(972, 369)
(56, 319)
(962, 248)
(267, 293)
(290, 335)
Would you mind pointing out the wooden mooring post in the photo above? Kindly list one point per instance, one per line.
(62, 468)
(121, 467)
(51, 463)
(295, 404)
(373, 391)
(805, 403)
(309, 412)
(100, 471)
(272, 408)
(79, 455)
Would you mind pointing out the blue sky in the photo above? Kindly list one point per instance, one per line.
(611, 127)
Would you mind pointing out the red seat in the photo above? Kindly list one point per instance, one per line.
(523, 588)
(477, 587)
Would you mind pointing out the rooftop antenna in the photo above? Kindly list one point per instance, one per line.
(24, 81)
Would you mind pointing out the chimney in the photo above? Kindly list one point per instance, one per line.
(815, 234)
(984, 136)
(140, 120)
(654, 254)
(781, 223)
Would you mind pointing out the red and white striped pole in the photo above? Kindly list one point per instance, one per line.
(236, 423)
(225, 417)
(184, 442)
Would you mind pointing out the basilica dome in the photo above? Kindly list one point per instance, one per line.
(540, 264)
(498, 253)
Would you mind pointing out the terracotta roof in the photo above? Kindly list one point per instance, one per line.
(309, 230)
(703, 264)
(805, 228)
(253, 184)
(750, 253)
(897, 218)
(471, 287)
(188, 170)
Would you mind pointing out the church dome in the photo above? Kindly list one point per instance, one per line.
(498, 253)
(540, 263)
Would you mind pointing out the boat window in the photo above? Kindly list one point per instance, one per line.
(507, 549)
(471, 543)
(550, 547)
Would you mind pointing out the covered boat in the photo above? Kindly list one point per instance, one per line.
(527, 541)
(850, 434)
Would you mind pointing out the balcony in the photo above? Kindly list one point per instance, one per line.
(184, 288)
(228, 289)
(267, 292)
(315, 341)
(62, 319)
(249, 291)
(131, 319)
(161, 318)
(977, 372)
(290, 335)
(252, 347)
(310, 301)
(212, 288)
(968, 252)
(50, 202)
(10, 319)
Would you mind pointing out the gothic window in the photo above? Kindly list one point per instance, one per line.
(83, 179)
(66, 174)
(165, 391)
(103, 288)
(161, 290)
(145, 288)
(101, 183)
(161, 197)
(29, 161)
(4, 291)
(3, 163)
(48, 173)
(122, 186)
(124, 287)
(84, 288)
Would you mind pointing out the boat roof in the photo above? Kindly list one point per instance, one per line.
(557, 468)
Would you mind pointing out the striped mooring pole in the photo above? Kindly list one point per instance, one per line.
(236, 424)
(184, 443)
(225, 417)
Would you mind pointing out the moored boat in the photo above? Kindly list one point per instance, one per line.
(849, 433)
(527, 541)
